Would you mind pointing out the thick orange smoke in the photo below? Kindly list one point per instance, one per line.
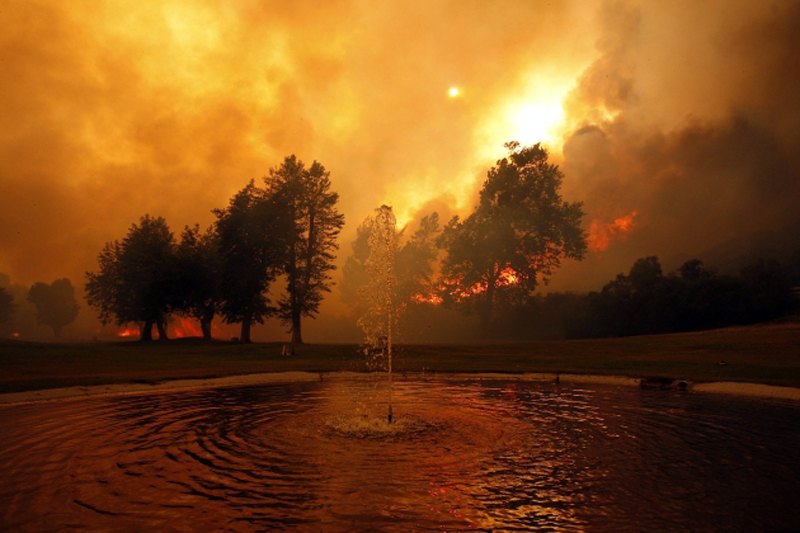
(601, 235)
(683, 111)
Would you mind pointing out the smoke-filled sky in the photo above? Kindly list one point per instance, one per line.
(676, 123)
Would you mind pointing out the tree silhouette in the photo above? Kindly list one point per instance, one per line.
(6, 305)
(197, 286)
(314, 224)
(517, 235)
(135, 281)
(251, 233)
(693, 297)
(55, 304)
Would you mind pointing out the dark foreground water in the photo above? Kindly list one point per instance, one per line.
(464, 455)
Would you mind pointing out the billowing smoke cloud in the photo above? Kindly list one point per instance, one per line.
(694, 135)
(684, 113)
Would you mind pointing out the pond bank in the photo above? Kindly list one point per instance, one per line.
(243, 380)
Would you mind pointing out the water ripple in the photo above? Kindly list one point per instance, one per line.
(461, 455)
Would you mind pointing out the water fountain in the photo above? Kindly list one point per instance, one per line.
(467, 453)
(502, 454)
(379, 319)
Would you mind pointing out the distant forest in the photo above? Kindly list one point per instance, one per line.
(643, 301)
(271, 253)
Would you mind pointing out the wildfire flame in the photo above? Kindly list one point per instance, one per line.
(507, 278)
(185, 327)
(433, 299)
(601, 235)
(128, 332)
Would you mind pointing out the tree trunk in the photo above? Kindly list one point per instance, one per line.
(245, 336)
(486, 309)
(205, 323)
(298, 301)
(205, 327)
(297, 335)
(147, 331)
(161, 325)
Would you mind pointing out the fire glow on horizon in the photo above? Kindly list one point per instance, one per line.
(667, 119)
(507, 277)
(180, 328)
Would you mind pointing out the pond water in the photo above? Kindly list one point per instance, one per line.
(463, 455)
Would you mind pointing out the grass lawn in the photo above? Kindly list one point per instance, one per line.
(763, 354)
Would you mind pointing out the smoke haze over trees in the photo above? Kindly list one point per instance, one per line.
(675, 123)
(6, 305)
(55, 304)
(517, 236)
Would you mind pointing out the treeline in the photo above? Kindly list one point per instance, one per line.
(647, 301)
(488, 264)
(287, 227)
(514, 239)
(53, 305)
(477, 277)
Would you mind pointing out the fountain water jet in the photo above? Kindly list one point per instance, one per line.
(378, 320)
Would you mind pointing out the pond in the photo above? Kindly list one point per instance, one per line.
(462, 455)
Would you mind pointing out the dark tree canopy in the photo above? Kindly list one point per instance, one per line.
(251, 234)
(768, 284)
(692, 297)
(55, 304)
(197, 287)
(6, 306)
(517, 235)
(314, 224)
(135, 281)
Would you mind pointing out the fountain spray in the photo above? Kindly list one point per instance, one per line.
(386, 226)
(378, 320)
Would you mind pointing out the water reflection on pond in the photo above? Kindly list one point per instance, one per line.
(463, 455)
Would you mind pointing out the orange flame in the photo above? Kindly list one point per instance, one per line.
(506, 278)
(433, 299)
(183, 327)
(601, 235)
(186, 327)
(128, 332)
